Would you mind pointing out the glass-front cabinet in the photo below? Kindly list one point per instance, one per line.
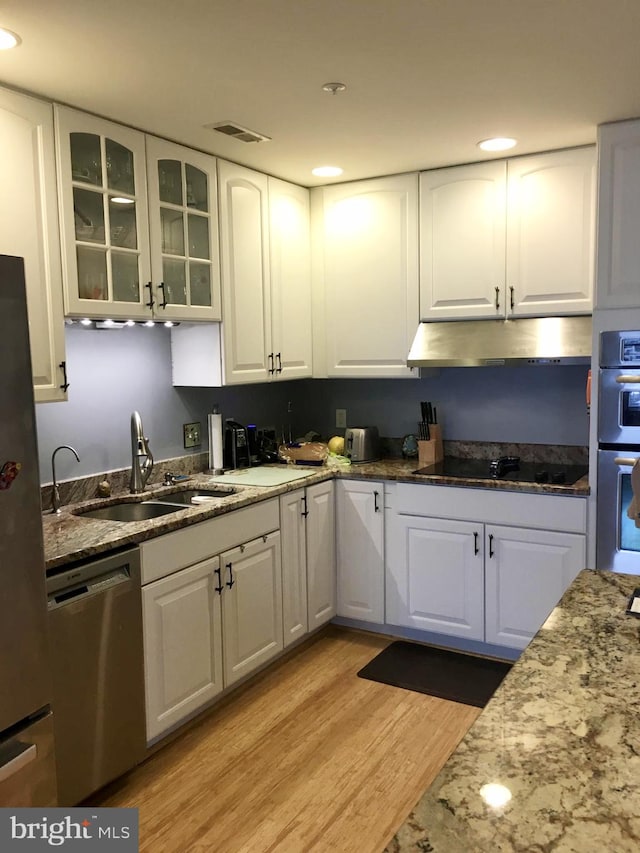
(183, 221)
(139, 224)
(105, 232)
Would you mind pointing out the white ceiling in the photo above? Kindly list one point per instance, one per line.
(427, 79)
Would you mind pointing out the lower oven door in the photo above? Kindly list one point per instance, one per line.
(617, 538)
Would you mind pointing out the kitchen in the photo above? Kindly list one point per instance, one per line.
(490, 404)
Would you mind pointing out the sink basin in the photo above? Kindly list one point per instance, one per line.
(130, 511)
(185, 497)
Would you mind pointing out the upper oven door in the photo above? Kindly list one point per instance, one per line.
(619, 406)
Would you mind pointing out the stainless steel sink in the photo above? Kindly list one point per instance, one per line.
(131, 511)
(185, 497)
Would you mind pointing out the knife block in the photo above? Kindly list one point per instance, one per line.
(430, 452)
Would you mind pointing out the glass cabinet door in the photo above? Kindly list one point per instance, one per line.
(103, 187)
(183, 231)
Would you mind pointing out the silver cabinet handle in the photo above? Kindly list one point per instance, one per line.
(628, 379)
(29, 754)
(626, 460)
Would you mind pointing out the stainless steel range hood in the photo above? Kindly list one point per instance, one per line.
(486, 343)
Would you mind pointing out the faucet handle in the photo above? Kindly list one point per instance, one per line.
(169, 479)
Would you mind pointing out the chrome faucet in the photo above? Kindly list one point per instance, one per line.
(55, 495)
(141, 456)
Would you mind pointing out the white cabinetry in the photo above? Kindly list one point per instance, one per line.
(293, 514)
(360, 550)
(480, 580)
(132, 252)
(29, 229)
(526, 573)
(321, 554)
(509, 238)
(365, 276)
(183, 645)
(251, 606)
(618, 277)
(266, 288)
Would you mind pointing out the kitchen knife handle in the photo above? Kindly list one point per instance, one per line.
(376, 508)
(491, 551)
(230, 582)
(497, 298)
(476, 550)
(218, 588)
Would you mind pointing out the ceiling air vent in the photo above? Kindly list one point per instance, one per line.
(237, 132)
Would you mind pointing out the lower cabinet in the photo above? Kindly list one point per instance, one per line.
(478, 580)
(321, 553)
(182, 644)
(251, 606)
(360, 550)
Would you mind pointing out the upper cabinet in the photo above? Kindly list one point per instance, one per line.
(509, 238)
(365, 276)
(618, 277)
(183, 227)
(266, 288)
(111, 269)
(29, 229)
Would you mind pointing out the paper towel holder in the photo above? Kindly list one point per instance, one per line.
(214, 421)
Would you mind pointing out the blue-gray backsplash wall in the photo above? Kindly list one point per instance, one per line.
(114, 372)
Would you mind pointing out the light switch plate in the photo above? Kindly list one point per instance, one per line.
(192, 435)
(341, 418)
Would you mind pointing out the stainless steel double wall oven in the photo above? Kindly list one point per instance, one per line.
(618, 539)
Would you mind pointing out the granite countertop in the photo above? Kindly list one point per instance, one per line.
(69, 537)
(561, 734)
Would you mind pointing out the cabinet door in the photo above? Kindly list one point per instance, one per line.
(462, 241)
(618, 276)
(29, 229)
(435, 578)
(105, 231)
(294, 565)
(360, 550)
(370, 276)
(183, 223)
(251, 606)
(321, 554)
(526, 573)
(182, 645)
(290, 253)
(550, 232)
(244, 250)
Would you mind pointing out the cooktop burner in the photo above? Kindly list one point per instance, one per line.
(507, 468)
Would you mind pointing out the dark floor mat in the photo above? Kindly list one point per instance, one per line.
(448, 675)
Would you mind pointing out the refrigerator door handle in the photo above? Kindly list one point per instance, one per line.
(26, 756)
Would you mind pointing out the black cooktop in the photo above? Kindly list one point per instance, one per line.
(509, 468)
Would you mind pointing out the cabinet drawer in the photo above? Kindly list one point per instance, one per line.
(547, 512)
(174, 551)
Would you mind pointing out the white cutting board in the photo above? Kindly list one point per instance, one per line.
(265, 476)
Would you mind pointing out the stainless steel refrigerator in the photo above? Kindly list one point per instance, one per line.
(27, 764)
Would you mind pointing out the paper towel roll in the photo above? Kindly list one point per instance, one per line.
(215, 443)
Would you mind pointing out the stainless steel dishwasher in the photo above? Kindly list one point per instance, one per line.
(95, 634)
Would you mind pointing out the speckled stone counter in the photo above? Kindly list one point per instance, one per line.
(69, 537)
(562, 734)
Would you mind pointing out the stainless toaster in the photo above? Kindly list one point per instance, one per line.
(362, 444)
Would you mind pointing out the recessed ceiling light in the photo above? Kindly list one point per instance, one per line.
(8, 39)
(327, 171)
(497, 143)
(334, 88)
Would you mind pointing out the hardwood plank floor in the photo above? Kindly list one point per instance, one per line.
(308, 757)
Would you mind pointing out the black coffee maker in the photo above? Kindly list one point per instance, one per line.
(236, 445)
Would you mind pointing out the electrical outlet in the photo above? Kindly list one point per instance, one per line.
(341, 418)
(192, 435)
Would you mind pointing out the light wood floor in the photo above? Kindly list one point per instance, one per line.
(308, 757)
